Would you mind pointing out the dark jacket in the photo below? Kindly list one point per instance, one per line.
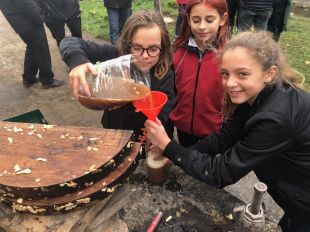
(23, 15)
(199, 92)
(63, 9)
(76, 51)
(271, 137)
(256, 4)
(117, 3)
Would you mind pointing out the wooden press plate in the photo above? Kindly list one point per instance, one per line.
(54, 155)
(99, 189)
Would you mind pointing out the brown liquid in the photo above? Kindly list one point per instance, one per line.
(114, 92)
(156, 168)
(157, 175)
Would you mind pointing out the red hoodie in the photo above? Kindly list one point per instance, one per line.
(182, 1)
(199, 92)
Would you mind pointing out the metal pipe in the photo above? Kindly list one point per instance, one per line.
(259, 190)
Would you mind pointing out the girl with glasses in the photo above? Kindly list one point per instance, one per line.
(146, 37)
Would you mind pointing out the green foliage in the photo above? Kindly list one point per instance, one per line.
(295, 41)
(295, 44)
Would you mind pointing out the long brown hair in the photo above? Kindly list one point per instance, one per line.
(147, 19)
(267, 52)
(186, 33)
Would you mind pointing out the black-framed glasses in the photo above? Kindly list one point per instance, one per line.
(151, 51)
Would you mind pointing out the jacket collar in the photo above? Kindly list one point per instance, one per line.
(261, 99)
(263, 95)
(192, 46)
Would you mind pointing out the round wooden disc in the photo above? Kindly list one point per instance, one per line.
(38, 157)
(98, 189)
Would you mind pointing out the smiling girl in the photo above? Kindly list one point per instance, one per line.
(199, 90)
(267, 129)
(146, 37)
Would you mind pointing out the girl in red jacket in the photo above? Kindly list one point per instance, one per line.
(198, 82)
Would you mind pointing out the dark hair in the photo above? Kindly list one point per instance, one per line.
(147, 19)
(186, 33)
(266, 51)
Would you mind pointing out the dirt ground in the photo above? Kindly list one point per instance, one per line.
(301, 11)
(193, 206)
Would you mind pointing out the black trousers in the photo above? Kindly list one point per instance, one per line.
(276, 21)
(232, 13)
(57, 28)
(37, 56)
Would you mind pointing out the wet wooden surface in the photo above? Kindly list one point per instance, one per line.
(95, 190)
(38, 157)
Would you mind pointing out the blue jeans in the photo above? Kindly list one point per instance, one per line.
(117, 18)
(180, 18)
(257, 18)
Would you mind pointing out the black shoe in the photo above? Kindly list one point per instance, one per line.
(55, 83)
(28, 84)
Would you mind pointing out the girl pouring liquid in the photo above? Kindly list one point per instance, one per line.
(146, 37)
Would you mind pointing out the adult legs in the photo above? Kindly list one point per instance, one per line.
(37, 56)
(180, 18)
(232, 10)
(124, 14)
(114, 23)
(261, 19)
(75, 26)
(245, 19)
(276, 21)
(57, 29)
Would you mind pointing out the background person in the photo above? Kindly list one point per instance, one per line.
(181, 15)
(27, 18)
(118, 12)
(199, 91)
(63, 12)
(254, 13)
(232, 14)
(279, 18)
(267, 129)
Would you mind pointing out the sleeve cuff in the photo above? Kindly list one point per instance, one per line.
(174, 151)
(76, 61)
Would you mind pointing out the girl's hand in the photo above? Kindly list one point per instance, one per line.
(156, 133)
(77, 79)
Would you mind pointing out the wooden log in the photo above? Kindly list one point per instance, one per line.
(95, 217)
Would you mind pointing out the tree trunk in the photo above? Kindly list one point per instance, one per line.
(157, 5)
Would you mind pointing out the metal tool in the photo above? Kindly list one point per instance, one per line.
(251, 217)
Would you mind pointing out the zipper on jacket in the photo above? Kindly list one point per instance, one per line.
(200, 54)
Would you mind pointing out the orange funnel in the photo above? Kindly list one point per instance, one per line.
(151, 105)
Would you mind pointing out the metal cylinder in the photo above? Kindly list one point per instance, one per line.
(259, 189)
